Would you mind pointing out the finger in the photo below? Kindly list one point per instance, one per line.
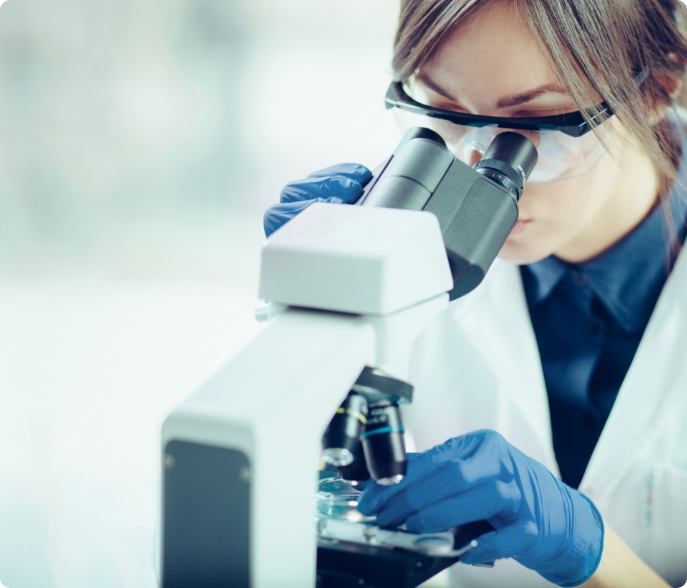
(352, 171)
(374, 490)
(440, 486)
(421, 479)
(486, 501)
(403, 504)
(482, 455)
(376, 496)
(277, 216)
(506, 542)
(338, 186)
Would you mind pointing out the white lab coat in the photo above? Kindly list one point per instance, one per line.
(477, 366)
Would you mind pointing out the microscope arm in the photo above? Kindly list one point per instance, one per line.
(240, 455)
(270, 405)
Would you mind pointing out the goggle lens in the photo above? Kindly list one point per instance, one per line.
(560, 156)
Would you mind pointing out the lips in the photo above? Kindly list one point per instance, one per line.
(520, 226)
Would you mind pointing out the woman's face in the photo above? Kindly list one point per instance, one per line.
(493, 66)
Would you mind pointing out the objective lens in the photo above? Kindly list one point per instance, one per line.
(343, 433)
(383, 443)
(356, 471)
(390, 481)
(337, 456)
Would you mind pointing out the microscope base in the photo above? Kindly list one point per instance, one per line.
(343, 564)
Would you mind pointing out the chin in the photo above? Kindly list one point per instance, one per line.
(521, 253)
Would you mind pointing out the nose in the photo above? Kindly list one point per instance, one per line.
(473, 157)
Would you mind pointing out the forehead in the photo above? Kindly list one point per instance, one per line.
(492, 52)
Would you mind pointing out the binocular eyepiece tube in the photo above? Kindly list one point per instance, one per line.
(365, 438)
(477, 207)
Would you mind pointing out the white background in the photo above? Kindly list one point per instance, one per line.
(140, 142)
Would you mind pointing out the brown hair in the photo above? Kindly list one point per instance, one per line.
(597, 46)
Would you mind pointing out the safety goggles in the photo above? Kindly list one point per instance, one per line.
(566, 145)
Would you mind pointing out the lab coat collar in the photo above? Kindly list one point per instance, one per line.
(496, 319)
(658, 374)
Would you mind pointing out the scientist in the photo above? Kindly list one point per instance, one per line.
(561, 382)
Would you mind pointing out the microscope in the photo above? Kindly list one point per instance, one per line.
(350, 288)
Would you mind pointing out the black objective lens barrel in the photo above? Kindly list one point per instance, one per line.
(342, 436)
(356, 471)
(383, 443)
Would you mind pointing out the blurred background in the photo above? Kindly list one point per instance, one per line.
(140, 142)
(147, 137)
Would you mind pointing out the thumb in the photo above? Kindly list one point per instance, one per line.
(500, 544)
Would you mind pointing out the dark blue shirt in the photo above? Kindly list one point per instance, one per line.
(589, 318)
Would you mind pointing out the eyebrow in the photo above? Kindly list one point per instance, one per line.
(507, 102)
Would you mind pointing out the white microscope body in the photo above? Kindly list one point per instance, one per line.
(349, 287)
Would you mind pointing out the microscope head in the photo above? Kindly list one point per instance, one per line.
(477, 207)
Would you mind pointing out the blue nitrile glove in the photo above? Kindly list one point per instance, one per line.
(338, 184)
(540, 521)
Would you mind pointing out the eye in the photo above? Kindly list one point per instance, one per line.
(533, 136)
(543, 111)
(445, 105)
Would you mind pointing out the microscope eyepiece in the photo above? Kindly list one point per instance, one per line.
(509, 161)
(423, 133)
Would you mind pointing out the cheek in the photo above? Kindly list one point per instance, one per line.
(557, 206)
(558, 212)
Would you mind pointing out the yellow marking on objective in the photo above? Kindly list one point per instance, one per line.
(359, 416)
(348, 411)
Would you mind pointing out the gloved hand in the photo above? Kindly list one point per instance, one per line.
(540, 521)
(339, 184)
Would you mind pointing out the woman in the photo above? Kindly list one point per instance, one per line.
(563, 428)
